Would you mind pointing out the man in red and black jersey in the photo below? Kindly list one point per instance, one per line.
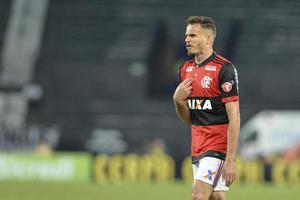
(207, 98)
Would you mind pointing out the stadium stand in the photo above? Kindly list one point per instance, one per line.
(93, 64)
(5, 9)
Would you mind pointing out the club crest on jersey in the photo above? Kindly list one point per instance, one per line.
(189, 69)
(210, 68)
(199, 104)
(205, 81)
(227, 86)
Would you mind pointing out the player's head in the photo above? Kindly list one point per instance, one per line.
(200, 34)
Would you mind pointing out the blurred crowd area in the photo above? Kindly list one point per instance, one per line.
(98, 76)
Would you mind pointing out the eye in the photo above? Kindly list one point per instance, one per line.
(191, 35)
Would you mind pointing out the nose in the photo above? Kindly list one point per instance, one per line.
(187, 39)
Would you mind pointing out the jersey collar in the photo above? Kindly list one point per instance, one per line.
(210, 58)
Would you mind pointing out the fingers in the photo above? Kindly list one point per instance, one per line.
(229, 172)
(229, 180)
(188, 89)
(183, 90)
(187, 82)
(228, 177)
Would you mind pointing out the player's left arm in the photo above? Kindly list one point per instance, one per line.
(229, 168)
(228, 79)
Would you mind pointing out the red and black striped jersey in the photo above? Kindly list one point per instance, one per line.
(215, 82)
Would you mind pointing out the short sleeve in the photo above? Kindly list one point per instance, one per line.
(228, 80)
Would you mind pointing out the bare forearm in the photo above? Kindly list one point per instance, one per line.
(233, 137)
(183, 112)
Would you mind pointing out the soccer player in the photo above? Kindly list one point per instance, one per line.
(207, 99)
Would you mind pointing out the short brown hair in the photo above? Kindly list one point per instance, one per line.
(205, 22)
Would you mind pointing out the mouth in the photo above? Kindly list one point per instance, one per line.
(188, 46)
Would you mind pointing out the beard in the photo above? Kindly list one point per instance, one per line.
(190, 53)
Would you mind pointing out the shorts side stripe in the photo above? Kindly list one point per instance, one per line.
(219, 173)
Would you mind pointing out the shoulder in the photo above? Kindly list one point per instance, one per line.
(228, 70)
(183, 68)
(228, 67)
(225, 64)
(221, 58)
(221, 61)
(185, 64)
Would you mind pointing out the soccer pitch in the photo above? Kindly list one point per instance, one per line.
(137, 191)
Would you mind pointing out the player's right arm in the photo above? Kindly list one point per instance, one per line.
(180, 100)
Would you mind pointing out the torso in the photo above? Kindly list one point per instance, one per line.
(206, 103)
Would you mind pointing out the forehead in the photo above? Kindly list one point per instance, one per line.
(193, 29)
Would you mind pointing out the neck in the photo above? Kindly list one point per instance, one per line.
(199, 58)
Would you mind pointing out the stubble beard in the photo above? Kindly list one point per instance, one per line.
(190, 53)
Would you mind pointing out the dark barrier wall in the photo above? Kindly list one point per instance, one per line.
(113, 65)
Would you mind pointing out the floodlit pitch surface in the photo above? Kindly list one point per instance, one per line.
(137, 191)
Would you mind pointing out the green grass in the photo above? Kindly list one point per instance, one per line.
(172, 191)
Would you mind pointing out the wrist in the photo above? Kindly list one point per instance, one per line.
(230, 158)
(179, 102)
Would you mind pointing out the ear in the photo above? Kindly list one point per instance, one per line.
(210, 39)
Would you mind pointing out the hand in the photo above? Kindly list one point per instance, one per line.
(229, 172)
(183, 90)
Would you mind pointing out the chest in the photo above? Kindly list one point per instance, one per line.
(205, 81)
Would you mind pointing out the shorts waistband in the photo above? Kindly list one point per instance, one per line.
(214, 154)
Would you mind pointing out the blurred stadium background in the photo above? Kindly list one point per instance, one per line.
(86, 96)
